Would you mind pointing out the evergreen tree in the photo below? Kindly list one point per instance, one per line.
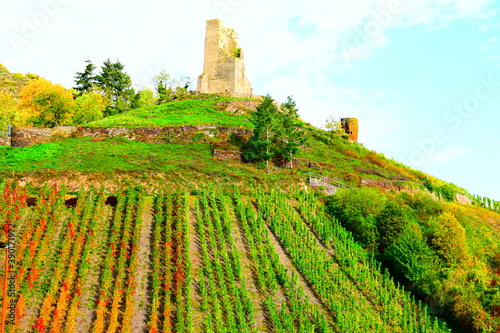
(116, 85)
(85, 81)
(291, 131)
(265, 120)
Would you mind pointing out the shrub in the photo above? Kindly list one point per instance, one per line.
(353, 179)
(391, 222)
(422, 203)
(428, 185)
(449, 238)
(416, 260)
(357, 209)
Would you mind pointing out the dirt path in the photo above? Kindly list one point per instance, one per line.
(141, 297)
(196, 260)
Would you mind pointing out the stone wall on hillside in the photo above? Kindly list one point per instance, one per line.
(5, 140)
(227, 155)
(383, 184)
(5, 136)
(30, 136)
(161, 134)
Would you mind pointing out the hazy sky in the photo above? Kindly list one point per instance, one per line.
(422, 76)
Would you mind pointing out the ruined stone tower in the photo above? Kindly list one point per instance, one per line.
(350, 126)
(223, 69)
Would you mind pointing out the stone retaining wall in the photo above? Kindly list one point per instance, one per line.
(5, 141)
(30, 136)
(227, 155)
(383, 184)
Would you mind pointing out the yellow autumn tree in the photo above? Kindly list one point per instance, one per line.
(46, 104)
(8, 111)
(450, 239)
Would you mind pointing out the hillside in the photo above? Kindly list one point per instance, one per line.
(13, 83)
(198, 240)
(325, 153)
(209, 111)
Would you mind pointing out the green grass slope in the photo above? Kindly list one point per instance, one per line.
(178, 113)
(324, 154)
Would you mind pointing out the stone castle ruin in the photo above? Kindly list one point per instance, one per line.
(350, 126)
(223, 69)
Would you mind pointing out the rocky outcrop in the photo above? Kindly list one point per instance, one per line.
(463, 199)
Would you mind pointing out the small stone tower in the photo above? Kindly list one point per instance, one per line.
(350, 126)
(223, 69)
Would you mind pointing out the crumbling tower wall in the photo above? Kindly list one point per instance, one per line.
(223, 68)
(350, 126)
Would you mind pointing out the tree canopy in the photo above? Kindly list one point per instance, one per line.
(85, 81)
(8, 110)
(116, 85)
(278, 132)
(46, 104)
(89, 107)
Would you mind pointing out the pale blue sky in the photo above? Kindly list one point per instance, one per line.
(420, 75)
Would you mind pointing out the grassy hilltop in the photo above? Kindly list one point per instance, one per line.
(199, 244)
(325, 153)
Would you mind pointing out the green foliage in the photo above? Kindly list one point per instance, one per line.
(8, 111)
(144, 98)
(428, 185)
(276, 133)
(237, 52)
(89, 107)
(85, 81)
(334, 128)
(116, 85)
(357, 210)
(422, 203)
(266, 121)
(447, 192)
(391, 221)
(290, 132)
(169, 88)
(450, 239)
(416, 260)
